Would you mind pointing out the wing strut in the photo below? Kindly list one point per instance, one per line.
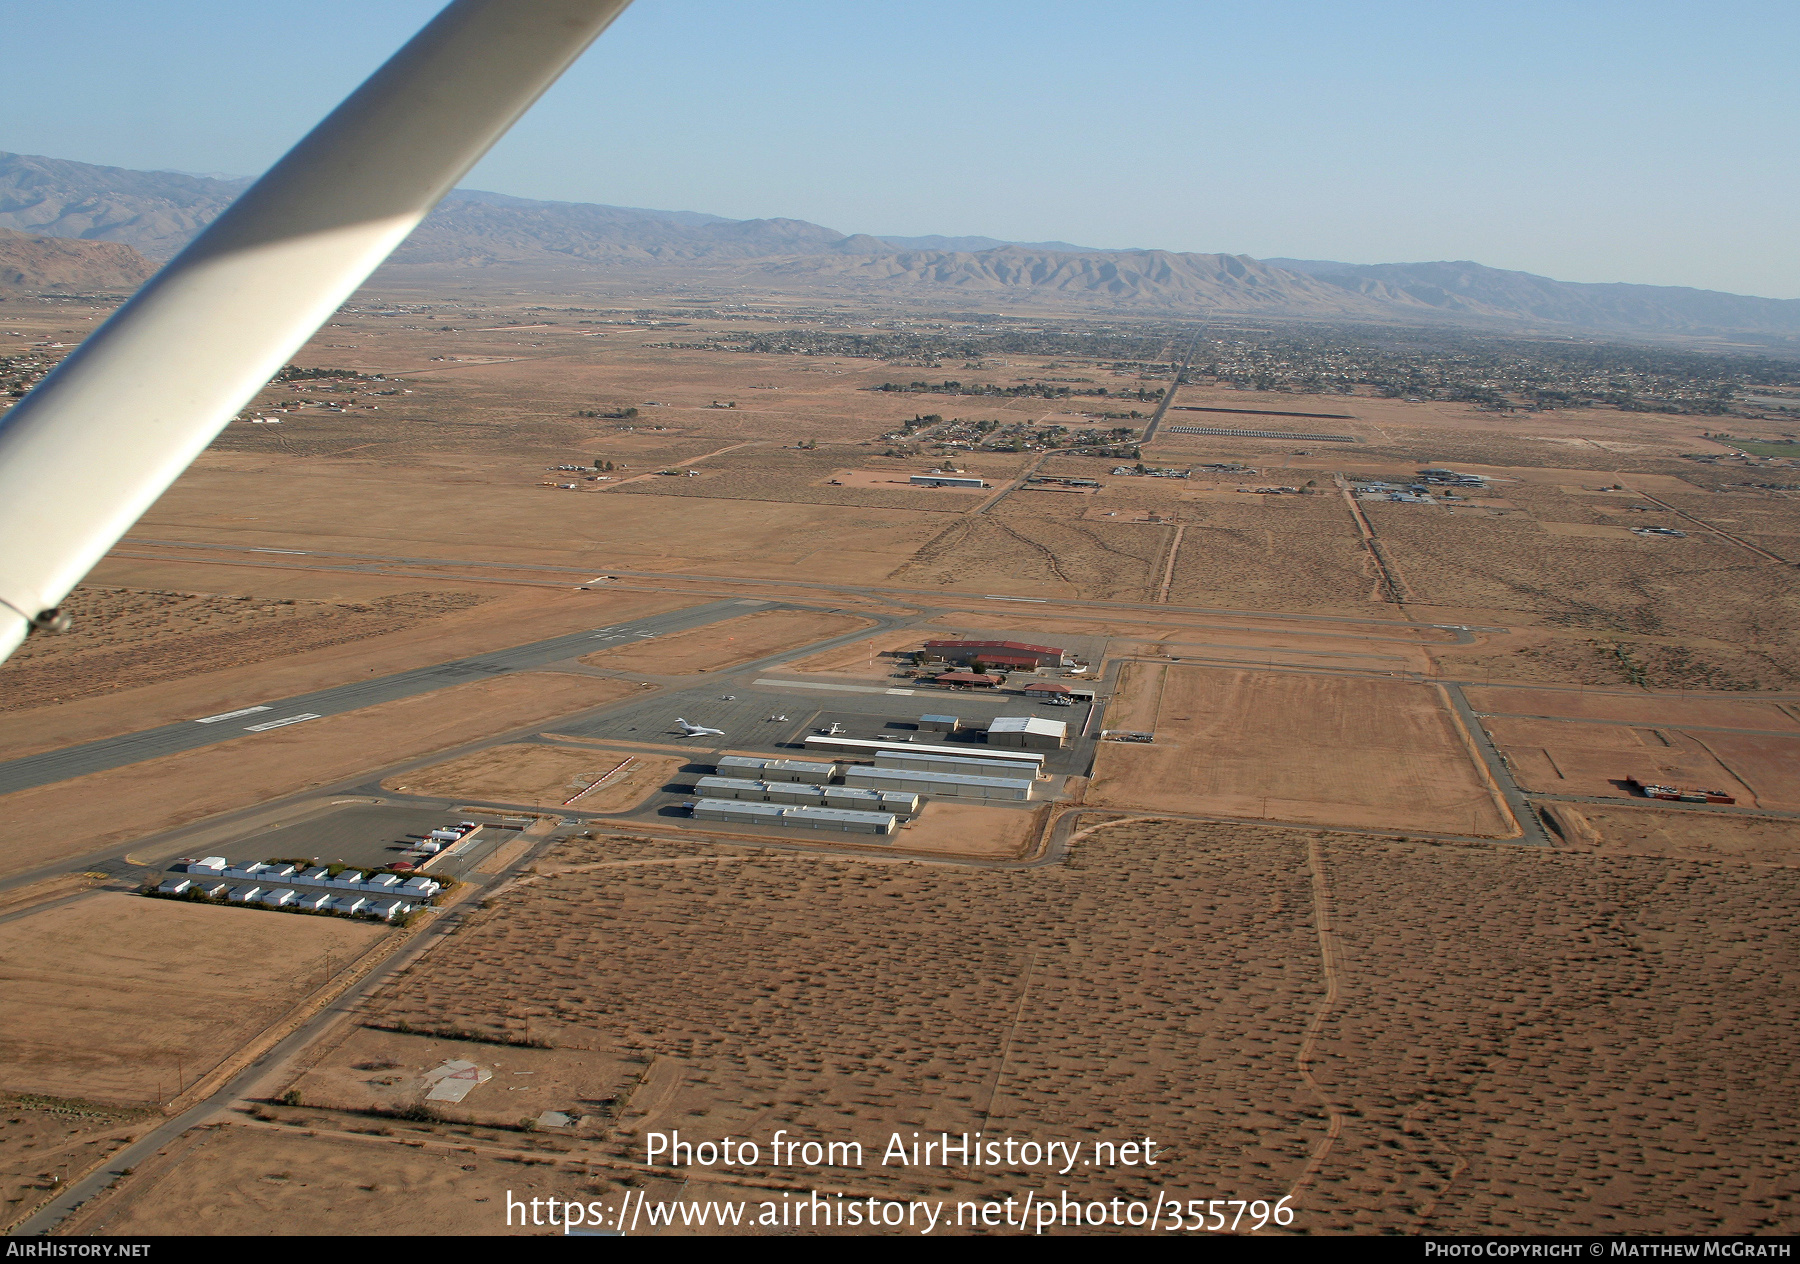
(86, 453)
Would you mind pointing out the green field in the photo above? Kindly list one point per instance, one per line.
(1765, 447)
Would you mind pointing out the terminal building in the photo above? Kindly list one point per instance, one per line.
(1015, 654)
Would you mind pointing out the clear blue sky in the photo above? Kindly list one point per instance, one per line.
(1591, 141)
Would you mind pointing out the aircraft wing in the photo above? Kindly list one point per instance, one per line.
(86, 453)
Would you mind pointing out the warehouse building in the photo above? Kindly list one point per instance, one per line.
(797, 793)
(970, 765)
(776, 769)
(995, 653)
(1027, 731)
(864, 748)
(946, 480)
(939, 723)
(738, 812)
(899, 802)
(800, 795)
(947, 784)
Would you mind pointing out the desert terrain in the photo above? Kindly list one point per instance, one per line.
(1375, 919)
(748, 990)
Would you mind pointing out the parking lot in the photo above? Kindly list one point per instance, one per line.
(368, 836)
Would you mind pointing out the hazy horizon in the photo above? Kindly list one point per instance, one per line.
(1613, 144)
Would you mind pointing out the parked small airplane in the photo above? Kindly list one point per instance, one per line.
(697, 730)
(833, 731)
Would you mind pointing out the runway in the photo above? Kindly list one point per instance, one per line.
(259, 715)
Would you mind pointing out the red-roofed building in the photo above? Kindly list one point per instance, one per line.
(969, 678)
(998, 653)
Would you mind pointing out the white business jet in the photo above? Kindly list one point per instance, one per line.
(697, 730)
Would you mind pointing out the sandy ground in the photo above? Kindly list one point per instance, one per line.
(1595, 759)
(250, 1180)
(122, 638)
(873, 658)
(845, 999)
(375, 1070)
(96, 1006)
(970, 829)
(1647, 831)
(1639, 708)
(721, 645)
(540, 776)
(72, 818)
(44, 1142)
(513, 618)
(1361, 752)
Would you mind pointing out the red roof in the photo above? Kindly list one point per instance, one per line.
(967, 678)
(993, 645)
(1046, 686)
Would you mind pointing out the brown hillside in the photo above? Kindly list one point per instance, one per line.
(1156, 277)
(59, 263)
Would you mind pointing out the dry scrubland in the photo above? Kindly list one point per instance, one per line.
(540, 776)
(1358, 752)
(256, 1180)
(718, 646)
(122, 639)
(502, 617)
(1705, 836)
(46, 1140)
(1520, 1040)
(95, 1005)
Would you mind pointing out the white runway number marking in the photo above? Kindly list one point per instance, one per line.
(275, 724)
(230, 715)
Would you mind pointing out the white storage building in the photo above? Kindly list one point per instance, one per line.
(970, 765)
(951, 785)
(1027, 731)
(862, 748)
(175, 886)
(738, 812)
(748, 766)
(899, 802)
(759, 791)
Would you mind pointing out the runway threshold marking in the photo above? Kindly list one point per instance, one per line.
(275, 724)
(232, 715)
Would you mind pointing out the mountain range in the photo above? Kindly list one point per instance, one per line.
(156, 212)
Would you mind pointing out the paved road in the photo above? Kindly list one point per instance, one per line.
(1169, 395)
(1490, 755)
(260, 715)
